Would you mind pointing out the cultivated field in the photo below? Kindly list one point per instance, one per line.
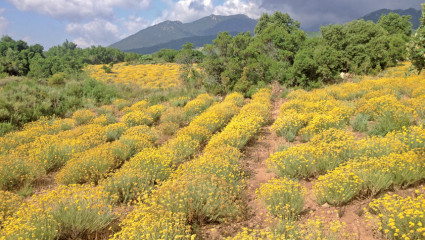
(152, 76)
(342, 162)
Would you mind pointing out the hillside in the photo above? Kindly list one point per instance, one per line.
(335, 162)
(198, 41)
(416, 15)
(169, 34)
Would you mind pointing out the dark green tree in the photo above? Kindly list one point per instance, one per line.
(417, 45)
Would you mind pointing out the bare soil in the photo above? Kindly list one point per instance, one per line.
(254, 165)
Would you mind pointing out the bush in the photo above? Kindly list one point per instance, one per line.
(9, 203)
(284, 197)
(83, 116)
(360, 122)
(68, 212)
(136, 118)
(399, 216)
(5, 128)
(57, 79)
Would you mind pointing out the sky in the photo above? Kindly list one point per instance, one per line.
(103, 22)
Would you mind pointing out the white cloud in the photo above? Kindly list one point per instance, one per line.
(186, 10)
(95, 22)
(133, 24)
(250, 8)
(77, 10)
(3, 22)
(96, 32)
(189, 10)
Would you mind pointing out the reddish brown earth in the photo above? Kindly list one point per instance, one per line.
(254, 165)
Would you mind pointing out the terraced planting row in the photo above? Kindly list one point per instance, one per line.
(351, 141)
(351, 165)
(120, 141)
(204, 190)
(76, 211)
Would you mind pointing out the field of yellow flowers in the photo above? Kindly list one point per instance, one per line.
(166, 170)
(146, 76)
(353, 143)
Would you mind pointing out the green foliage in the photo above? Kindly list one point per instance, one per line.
(417, 45)
(107, 69)
(5, 127)
(389, 122)
(57, 79)
(168, 55)
(19, 59)
(24, 100)
(396, 24)
(280, 51)
(240, 62)
(360, 122)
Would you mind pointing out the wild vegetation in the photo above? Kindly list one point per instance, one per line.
(149, 152)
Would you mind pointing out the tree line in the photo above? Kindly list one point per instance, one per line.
(280, 51)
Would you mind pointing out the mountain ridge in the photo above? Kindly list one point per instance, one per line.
(415, 13)
(169, 31)
(173, 34)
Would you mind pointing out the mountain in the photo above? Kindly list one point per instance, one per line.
(416, 15)
(173, 34)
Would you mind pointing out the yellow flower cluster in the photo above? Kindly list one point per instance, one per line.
(135, 118)
(246, 124)
(9, 203)
(199, 104)
(205, 189)
(313, 229)
(138, 106)
(83, 116)
(73, 211)
(151, 222)
(324, 152)
(140, 114)
(179, 101)
(96, 163)
(141, 173)
(32, 130)
(309, 114)
(176, 116)
(146, 76)
(52, 152)
(46, 153)
(374, 174)
(283, 197)
(399, 217)
(47, 144)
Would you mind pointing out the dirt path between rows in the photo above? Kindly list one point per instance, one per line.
(254, 165)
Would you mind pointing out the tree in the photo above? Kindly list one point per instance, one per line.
(417, 45)
(186, 58)
(396, 24)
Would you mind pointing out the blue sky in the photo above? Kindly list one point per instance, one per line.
(103, 22)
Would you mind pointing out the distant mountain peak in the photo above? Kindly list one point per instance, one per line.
(200, 31)
(415, 13)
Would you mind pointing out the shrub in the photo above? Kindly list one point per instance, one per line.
(9, 204)
(83, 116)
(57, 79)
(284, 198)
(136, 118)
(66, 212)
(5, 128)
(288, 124)
(398, 216)
(360, 122)
(114, 131)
